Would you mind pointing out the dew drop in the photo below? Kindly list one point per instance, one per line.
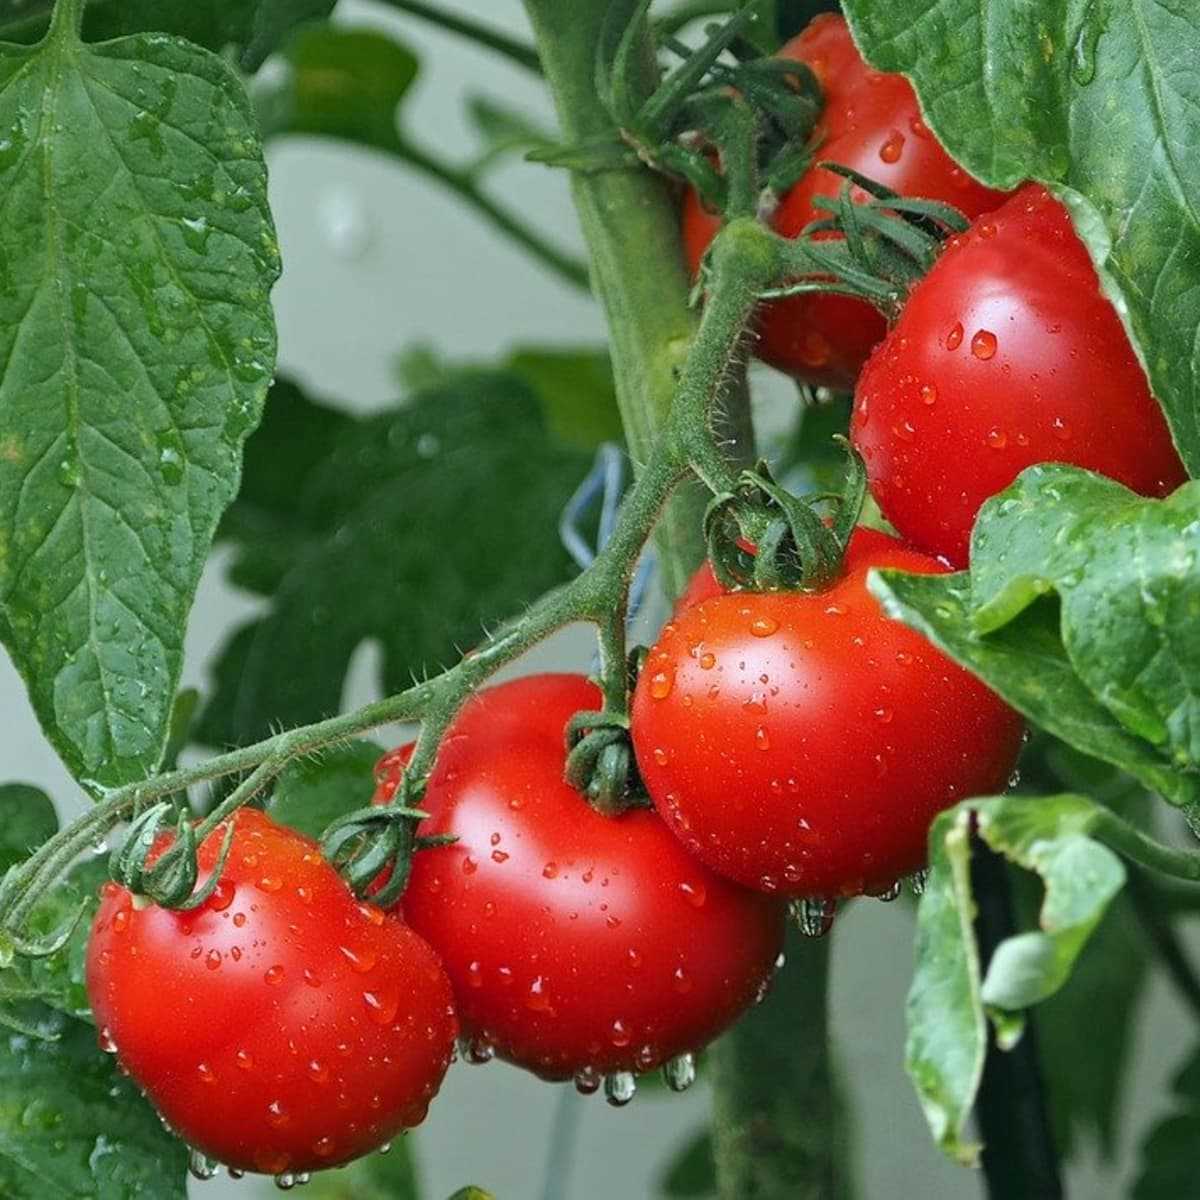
(708, 660)
(106, 1041)
(762, 627)
(762, 739)
(884, 714)
(206, 1073)
(200, 1166)
(323, 1147)
(587, 1081)
(474, 974)
(929, 395)
(955, 336)
(679, 1072)
(694, 893)
(277, 1115)
(121, 921)
(618, 1034)
(660, 685)
(918, 881)
(244, 1060)
(619, 1088)
(318, 1072)
(681, 981)
(983, 344)
(499, 856)
(381, 1009)
(890, 893)
(1058, 427)
(892, 147)
(550, 871)
(813, 915)
(661, 756)
(906, 431)
(538, 999)
(213, 960)
(997, 439)
(273, 976)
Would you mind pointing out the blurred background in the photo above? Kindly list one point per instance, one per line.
(379, 260)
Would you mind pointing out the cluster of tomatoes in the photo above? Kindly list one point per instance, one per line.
(794, 744)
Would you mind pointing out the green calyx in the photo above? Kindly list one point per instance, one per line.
(170, 879)
(753, 116)
(372, 848)
(888, 243)
(763, 538)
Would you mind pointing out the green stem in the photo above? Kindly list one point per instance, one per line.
(67, 20)
(491, 39)
(463, 184)
(774, 1114)
(631, 226)
(1134, 844)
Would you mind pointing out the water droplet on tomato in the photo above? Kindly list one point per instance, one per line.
(318, 1072)
(244, 1060)
(106, 1041)
(550, 871)
(987, 229)
(635, 957)
(206, 1073)
(270, 883)
(371, 914)
(681, 981)
(918, 881)
(680, 1072)
(813, 915)
(955, 336)
(928, 394)
(762, 738)
(222, 896)
(587, 1081)
(997, 439)
(1059, 428)
(273, 976)
(323, 1147)
(884, 714)
(213, 960)
(476, 1051)
(239, 919)
(381, 1009)
(620, 1087)
(892, 147)
(694, 893)
(538, 999)
(906, 431)
(660, 685)
(983, 344)
(763, 627)
(200, 1166)
(889, 893)
(120, 920)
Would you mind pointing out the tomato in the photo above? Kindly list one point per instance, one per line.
(1006, 354)
(578, 944)
(283, 1025)
(872, 123)
(801, 743)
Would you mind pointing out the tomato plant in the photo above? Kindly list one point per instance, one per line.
(283, 1025)
(784, 736)
(427, 457)
(1007, 354)
(578, 944)
(872, 123)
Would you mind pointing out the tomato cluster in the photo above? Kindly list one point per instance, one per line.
(792, 744)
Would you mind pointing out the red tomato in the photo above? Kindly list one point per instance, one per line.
(282, 1026)
(801, 743)
(577, 944)
(1006, 354)
(872, 123)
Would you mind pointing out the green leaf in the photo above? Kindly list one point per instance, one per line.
(342, 83)
(27, 819)
(950, 1000)
(136, 258)
(274, 21)
(72, 1128)
(576, 389)
(1124, 570)
(504, 131)
(1026, 664)
(312, 793)
(1098, 98)
(692, 1171)
(1168, 1154)
(421, 525)
(58, 980)
(1076, 610)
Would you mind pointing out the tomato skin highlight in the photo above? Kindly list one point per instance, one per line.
(1006, 354)
(283, 1025)
(872, 123)
(574, 941)
(801, 743)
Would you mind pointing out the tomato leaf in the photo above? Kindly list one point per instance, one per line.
(311, 793)
(951, 998)
(1119, 564)
(258, 25)
(1075, 610)
(136, 334)
(73, 1128)
(691, 1173)
(419, 526)
(27, 819)
(1168, 1153)
(1097, 98)
(341, 83)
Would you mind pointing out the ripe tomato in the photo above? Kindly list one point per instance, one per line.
(282, 1026)
(578, 944)
(801, 743)
(1006, 354)
(872, 123)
